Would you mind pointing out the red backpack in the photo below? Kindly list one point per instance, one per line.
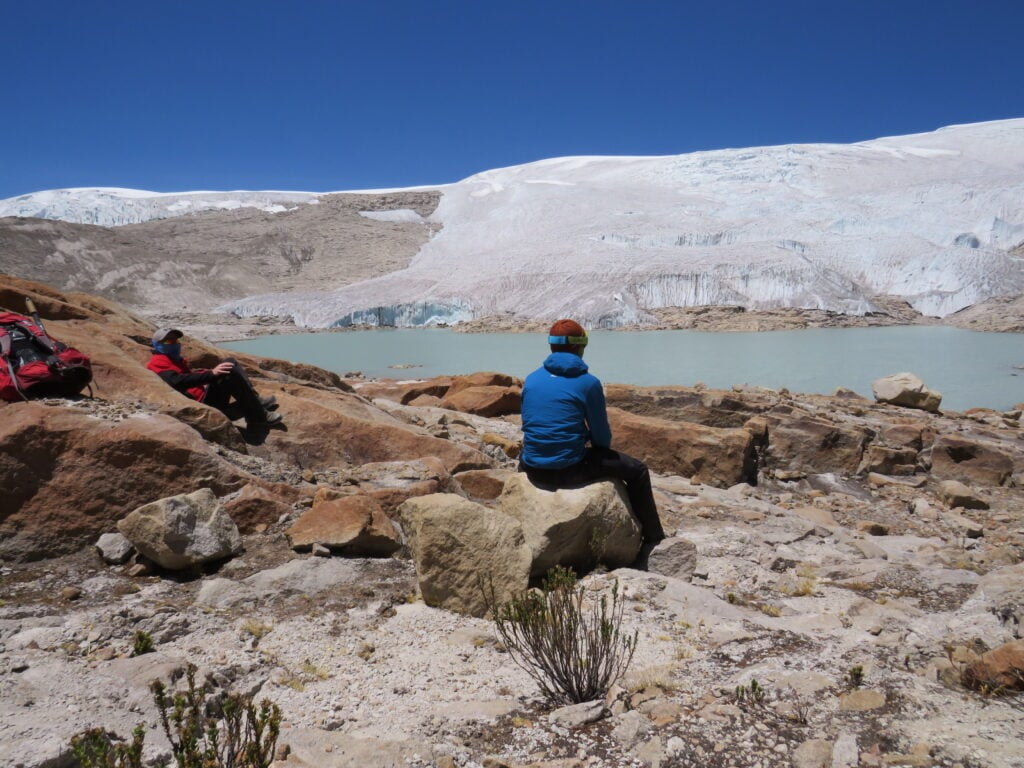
(32, 364)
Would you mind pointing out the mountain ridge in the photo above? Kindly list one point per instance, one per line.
(934, 219)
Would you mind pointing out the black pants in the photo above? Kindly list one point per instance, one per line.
(604, 464)
(234, 395)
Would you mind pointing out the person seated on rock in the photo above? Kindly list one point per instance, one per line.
(225, 386)
(564, 410)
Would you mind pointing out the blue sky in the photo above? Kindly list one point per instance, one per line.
(345, 95)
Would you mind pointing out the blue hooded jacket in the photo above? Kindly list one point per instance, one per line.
(563, 408)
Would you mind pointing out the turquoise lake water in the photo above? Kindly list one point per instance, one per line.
(969, 368)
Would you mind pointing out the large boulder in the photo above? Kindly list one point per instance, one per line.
(574, 527)
(182, 531)
(354, 525)
(999, 670)
(462, 549)
(970, 461)
(706, 455)
(800, 442)
(68, 476)
(907, 390)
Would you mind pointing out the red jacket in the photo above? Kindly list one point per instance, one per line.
(179, 375)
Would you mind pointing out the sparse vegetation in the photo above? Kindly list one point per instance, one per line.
(573, 649)
(256, 629)
(752, 694)
(204, 732)
(855, 676)
(142, 642)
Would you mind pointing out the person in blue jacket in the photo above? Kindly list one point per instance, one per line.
(566, 436)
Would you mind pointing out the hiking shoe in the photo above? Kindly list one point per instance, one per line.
(267, 420)
(269, 403)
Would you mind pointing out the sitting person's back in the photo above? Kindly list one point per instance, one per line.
(564, 410)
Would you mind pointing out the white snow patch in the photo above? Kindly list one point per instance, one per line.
(404, 215)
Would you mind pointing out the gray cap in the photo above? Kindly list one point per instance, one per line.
(163, 333)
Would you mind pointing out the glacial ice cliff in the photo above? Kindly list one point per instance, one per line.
(936, 218)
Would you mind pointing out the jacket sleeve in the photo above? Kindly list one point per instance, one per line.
(182, 381)
(597, 416)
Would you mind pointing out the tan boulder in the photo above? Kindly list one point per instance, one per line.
(955, 494)
(355, 525)
(182, 531)
(970, 461)
(483, 379)
(488, 401)
(706, 455)
(459, 548)
(799, 442)
(574, 527)
(723, 410)
(910, 436)
(68, 476)
(888, 461)
(262, 504)
(999, 669)
(907, 390)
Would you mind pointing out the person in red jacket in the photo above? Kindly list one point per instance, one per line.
(225, 386)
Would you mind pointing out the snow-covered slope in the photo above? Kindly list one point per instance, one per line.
(114, 207)
(931, 217)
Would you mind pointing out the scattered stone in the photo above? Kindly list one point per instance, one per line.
(872, 528)
(906, 390)
(861, 700)
(575, 715)
(971, 529)
(878, 480)
(815, 753)
(674, 557)
(182, 531)
(71, 593)
(484, 484)
(114, 548)
(320, 550)
(630, 727)
(955, 494)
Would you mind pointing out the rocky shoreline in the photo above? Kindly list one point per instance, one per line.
(996, 315)
(854, 558)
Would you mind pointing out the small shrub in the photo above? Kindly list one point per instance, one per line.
(142, 642)
(855, 676)
(235, 734)
(95, 748)
(752, 694)
(204, 733)
(574, 651)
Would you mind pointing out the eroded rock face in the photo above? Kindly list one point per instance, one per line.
(354, 525)
(179, 532)
(707, 455)
(71, 472)
(970, 461)
(455, 543)
(573, 527)
(801, 442)
(907, 390)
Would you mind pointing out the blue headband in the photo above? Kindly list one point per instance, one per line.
(572, 341)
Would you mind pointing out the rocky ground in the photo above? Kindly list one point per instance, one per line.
(839, 563)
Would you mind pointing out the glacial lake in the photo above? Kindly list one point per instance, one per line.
(969, 368)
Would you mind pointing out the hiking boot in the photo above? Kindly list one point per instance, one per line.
(269, 403)
(268, 419)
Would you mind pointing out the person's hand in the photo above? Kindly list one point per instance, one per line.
(223, 369)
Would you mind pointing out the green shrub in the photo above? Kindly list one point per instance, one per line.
(142, 642)
(204, 733)
(573, 650)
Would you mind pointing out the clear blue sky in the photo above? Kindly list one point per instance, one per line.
(322, 95)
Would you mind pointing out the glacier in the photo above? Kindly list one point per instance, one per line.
(936, 218)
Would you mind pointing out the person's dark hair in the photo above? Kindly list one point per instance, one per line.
(567, 329)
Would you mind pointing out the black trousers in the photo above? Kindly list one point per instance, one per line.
(234, 395)
(604, 464)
